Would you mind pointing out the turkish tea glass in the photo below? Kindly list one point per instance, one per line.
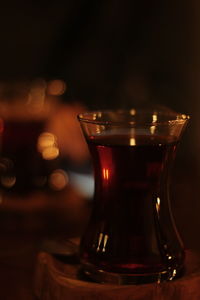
(131, 236)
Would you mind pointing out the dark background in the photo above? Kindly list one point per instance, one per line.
(114, 53)
(107, 51)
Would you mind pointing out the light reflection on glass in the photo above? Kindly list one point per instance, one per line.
(158, 204)
(152, 129)
(154, 118)
(98, 129)
(184, 116)
(94, 117)
(103, 239)
(173, 274)
(132, 141)
(106, 173)
(99, 241)
(105, 242)
(99, 114)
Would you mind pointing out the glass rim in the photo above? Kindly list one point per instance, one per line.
(173, 117)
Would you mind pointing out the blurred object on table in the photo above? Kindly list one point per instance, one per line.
(29, 154)
(41, 141)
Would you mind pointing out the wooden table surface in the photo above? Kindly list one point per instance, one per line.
(57, 280)
(25, 224)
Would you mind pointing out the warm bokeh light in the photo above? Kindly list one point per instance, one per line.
(132, 112)
(56, 87)
(50, 153)
(8, 181)
(58, 180)
(132, 141)
(46, 140)
(47, 146)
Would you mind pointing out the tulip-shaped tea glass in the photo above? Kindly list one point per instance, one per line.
(131, 236)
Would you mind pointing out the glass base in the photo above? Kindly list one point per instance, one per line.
(102, 276)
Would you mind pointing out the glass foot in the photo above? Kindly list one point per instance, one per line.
(102, 276)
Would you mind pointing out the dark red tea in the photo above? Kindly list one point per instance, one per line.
(131, 230)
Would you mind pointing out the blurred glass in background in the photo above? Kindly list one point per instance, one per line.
(36, 135)
(28, 153)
